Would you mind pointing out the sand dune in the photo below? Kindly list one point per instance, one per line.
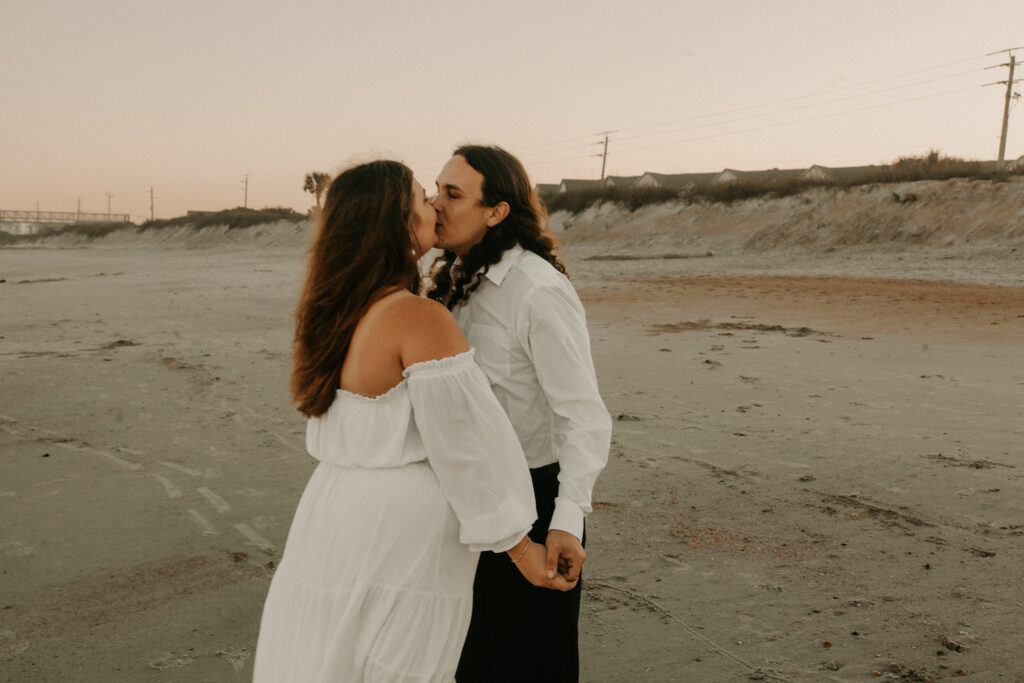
(939, 214)
(950, 213)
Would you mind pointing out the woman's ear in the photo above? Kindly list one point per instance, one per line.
(499, 212)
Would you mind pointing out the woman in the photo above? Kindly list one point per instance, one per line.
(419, 468)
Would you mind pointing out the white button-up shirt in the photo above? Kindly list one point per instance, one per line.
(530, 334)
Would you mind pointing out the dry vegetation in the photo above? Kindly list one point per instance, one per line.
(232, 218)
(932, 166)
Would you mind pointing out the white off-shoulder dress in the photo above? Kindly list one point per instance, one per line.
(376, 580)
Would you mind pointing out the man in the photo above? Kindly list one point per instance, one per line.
(512, 299)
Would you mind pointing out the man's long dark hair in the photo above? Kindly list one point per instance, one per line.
(362, 249)
(505, 180)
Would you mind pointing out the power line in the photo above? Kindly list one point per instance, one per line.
(767, 126)
(823, 92)
(803, 120)
(804, 106)
(760, 106)
(755, 116)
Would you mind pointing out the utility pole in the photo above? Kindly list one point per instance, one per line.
(604, 154)
(150, 202)
(78, 211)
(109, 195)
(1006, 111)
(245, 202)
(1006, 105)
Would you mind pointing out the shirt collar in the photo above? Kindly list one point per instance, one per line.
(497, 272)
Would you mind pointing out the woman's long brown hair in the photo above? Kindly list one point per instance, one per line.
(505, 180)
(363, 248)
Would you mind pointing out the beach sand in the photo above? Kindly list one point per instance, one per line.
(816, 473)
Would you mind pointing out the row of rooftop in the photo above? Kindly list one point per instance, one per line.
(683, 182)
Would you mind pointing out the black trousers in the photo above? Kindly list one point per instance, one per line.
(520, 632)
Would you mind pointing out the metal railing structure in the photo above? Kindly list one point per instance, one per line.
(61, 217)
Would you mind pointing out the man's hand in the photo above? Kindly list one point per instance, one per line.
(565, 555)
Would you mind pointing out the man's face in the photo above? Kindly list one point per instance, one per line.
(462, 219)
(423, 234)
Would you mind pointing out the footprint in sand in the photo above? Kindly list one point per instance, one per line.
(236, 658)
(10, 644)
(218, 503)
(16, 549)
(204, 527)
(263, 522)
(171, 660)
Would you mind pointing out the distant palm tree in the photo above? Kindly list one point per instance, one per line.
(316, 184)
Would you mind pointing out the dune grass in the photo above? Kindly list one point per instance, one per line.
(931, 166)
(633, 198)
(89, 230)
(232, 218)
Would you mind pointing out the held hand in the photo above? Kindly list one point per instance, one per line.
(565, 555)
(532, 565)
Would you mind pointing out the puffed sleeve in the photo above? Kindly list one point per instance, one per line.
(474, 451)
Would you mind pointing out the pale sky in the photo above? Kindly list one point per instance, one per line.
(190, 96)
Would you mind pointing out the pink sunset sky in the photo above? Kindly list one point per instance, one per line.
(102, 100)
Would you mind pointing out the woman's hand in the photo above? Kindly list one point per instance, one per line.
(532, 564)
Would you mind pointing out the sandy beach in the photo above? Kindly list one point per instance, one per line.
(817, 468)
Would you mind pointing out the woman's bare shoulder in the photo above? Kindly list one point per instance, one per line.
(426, 329)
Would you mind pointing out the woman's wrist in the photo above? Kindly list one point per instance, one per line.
(516, 552)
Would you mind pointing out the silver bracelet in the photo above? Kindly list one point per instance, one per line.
(525, 547)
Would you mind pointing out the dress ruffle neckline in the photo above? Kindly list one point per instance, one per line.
(420, 368)
(439, 364)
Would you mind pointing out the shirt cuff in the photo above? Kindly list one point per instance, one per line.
(500, 546)
(568, 517)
